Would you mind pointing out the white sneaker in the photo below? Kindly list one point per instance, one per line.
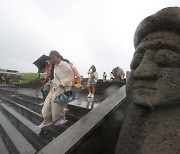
(89, 95)
(92, 96)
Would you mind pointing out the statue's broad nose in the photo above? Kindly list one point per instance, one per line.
(147, 69)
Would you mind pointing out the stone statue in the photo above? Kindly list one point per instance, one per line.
(152, 124)
(118, 73)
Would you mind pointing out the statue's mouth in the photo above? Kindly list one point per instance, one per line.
(144, 87)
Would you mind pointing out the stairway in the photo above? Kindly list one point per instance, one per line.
(19, 116)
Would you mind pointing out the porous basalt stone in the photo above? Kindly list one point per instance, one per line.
(152, 122)
(166, 19)
(147, 131)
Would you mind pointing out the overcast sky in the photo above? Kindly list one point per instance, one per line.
(87, 32)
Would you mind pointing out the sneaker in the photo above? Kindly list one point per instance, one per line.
(43, 125)
(60, 122)
(89, 95)
(92, 95)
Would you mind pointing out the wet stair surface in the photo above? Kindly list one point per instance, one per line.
(20, 114)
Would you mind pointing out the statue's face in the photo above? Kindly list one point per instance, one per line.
(155, 70)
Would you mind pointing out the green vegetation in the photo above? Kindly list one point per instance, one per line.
(26, 77)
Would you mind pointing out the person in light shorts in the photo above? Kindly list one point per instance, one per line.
(93, 77)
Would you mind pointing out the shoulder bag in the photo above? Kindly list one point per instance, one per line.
(65, 97)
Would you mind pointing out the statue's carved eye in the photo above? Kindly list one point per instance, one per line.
(137, 58)
(167, 58)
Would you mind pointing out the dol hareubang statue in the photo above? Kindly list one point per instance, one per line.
(152, 124)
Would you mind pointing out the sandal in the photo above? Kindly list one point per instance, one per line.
(65, 110)
(43, 125)
(60, 122)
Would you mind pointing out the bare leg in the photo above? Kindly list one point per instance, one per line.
(88, 87)
(66, 106)
(93, 88)
(45, 122)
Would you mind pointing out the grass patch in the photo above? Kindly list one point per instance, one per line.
(29, 76)
(25, 78)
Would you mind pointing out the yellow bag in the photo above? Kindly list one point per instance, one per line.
(78, 85)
